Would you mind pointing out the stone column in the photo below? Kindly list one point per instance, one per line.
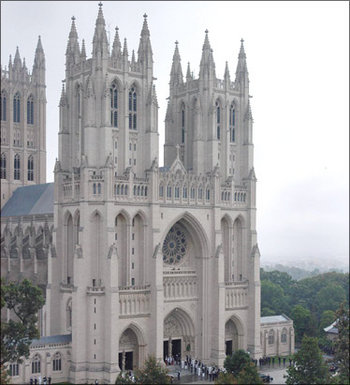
(170, 348)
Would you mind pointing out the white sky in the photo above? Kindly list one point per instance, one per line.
(298, 63)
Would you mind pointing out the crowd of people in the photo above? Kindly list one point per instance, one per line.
(45, 380)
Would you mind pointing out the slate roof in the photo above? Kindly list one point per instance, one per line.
(274, 319)
(30, 200)
(58, 339)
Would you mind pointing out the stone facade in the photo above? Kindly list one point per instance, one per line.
(23, 124)
(148, 259)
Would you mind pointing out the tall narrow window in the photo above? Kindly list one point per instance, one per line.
(30, 110)
(57, 362)
(3, 166)
(114, 105)
(218, 121)
(16, 108)
(36, 364)
(232, 123)
(132, 109)
(183, 124)
(3, 106)
(30, 168)
(17, 167)
(14, 370)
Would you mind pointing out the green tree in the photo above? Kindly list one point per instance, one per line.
(236, 362)
(302, 321)
(330, 297)
(327, 318)
(152, 373)
(342, 344)
(249, 375)
(309, 367)
(226, 378)
(24, 300)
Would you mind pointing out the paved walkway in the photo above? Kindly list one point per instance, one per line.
(186, 377)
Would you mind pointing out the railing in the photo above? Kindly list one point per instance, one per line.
(236, 295)
(179, 287)
(134, 300)
(95, 290)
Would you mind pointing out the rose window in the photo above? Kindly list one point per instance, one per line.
(174, 246)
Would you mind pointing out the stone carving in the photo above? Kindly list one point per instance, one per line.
(128, 340)
(112, 251)
(171, 328)
(78, 251)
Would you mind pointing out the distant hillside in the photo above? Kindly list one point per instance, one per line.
(298, 273)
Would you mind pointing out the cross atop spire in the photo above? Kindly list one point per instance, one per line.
(73, 18)
(145, 15)
(100, 4)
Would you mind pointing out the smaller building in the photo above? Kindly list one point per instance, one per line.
(276, 335)
(332, 331)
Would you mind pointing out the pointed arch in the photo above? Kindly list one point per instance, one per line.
(30, 109)
(121, 225)
(69, 242)
(3, 166)
(137, 329)
(138, 239)
(226, 234)
(3, 105)
(238, 225)
(17, 107)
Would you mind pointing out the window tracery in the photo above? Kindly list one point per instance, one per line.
(174, 246)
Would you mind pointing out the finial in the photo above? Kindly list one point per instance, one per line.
(242, 40)
(73, 18)
(206, 31)
(117, 28)
(176, 42)
(145, 15)
(100, 4)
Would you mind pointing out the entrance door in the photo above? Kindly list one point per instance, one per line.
(129, 361)
(176, 349)
(229, 348)
(165, 349)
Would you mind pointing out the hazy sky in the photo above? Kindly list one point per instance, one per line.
(298, 63)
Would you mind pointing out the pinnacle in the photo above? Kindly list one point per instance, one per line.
(125, 48)
(73, 30)
(39, 46)
(145, 30)
(242, 54)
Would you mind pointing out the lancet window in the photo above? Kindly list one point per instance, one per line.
(3, 166)
(114, 105)
(17, 167)
(183, 124)
(30, 168)
(232, 123)
(218, 120)
(3, 106)
(16, 108)
(30, 110)
(132, 109)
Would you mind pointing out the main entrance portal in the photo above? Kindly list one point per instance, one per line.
(175, 349)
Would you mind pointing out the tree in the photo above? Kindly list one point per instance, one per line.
(302, 321)
(236, 362)
(330, 297)
(152, 373)
(123, 379)
(327, 318)
(249, 375)
(24, 300)
(309, 367)
(226, 378)
(342, 344)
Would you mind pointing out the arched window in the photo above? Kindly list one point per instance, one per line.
(99, 188)
(16, 108)
(14, 369)
(36, 364)
(17, 167)
(177, 192)
(3, 166)
(168, 191)
(57, 362)
(232, 123)
(192, 193)
(284, 336)
(132, 109)
(218, 120)
(94, 188)
(3, 106)
(271, 337)
(208, 194)
(30, 110)
(183, 124)
(200, 192)
(161, 191)
(184, 192)
(114, 105)
(30, 168)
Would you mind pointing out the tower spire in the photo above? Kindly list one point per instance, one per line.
(227, 74)
(242, 71)
(39, 63)
(144, 52)
(207, 65)
(100, 41)
(116, 48)
(188, 73)
(73, 51)
(17, 62)
(176, 76)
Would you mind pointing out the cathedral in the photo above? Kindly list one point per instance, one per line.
(134, 258)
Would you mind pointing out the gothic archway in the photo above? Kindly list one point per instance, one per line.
(131, 348)
(179, 335)
(233, 335)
